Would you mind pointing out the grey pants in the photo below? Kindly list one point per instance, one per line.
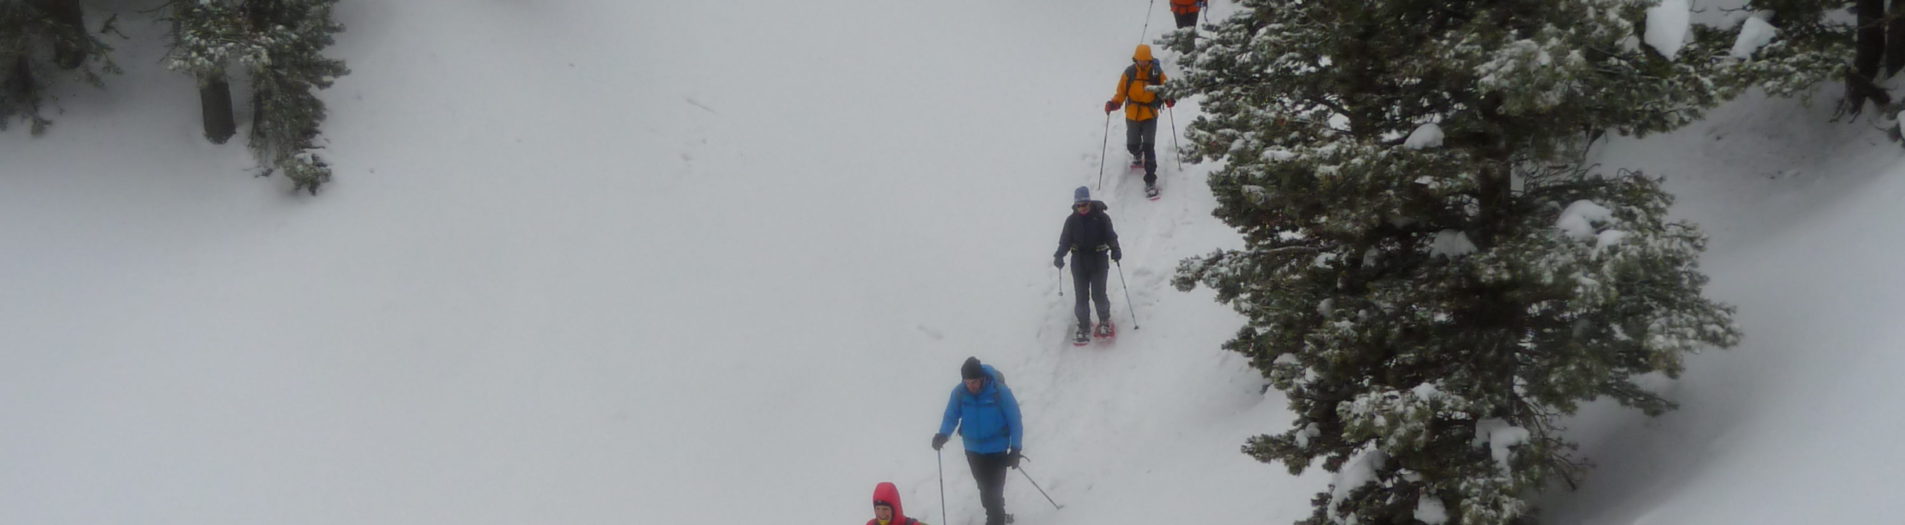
(1141, 139)
(1088, 281)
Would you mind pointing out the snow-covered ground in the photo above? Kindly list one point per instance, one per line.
(1798, 423)
(593, 262)
(602, 261)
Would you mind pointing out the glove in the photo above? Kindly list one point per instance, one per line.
(1112, 105)
(1170, 102)
(1012, 458)
(939, 440)
(1058, 262)
(1117, 254)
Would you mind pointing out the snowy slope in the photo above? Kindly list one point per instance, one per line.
(592, 262)
(650, 262)
(1798, 422)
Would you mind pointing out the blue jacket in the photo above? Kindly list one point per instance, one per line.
(988, 421)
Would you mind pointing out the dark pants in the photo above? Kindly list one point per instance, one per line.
(1141, 139)
(1089, 272)
(989, 471)
(1186, 19)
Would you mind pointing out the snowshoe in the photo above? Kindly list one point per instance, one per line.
(1105, 330)
(1082, 337)
(1152, 192)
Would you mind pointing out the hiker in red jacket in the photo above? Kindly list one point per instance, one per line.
(1186, 12)
(886, 506)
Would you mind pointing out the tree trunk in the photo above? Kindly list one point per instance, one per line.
(1870, 46)
(261, 12)
(1895, 39)
(17, 84)
(258, 117)
(73, 45)
(215, 107)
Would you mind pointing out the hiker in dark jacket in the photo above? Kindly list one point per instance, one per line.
(1088, 236)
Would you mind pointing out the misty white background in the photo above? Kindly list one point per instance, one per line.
(650, 262)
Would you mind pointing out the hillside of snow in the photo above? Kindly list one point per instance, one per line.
(1796, 424)
(602, 262)
(653, 262)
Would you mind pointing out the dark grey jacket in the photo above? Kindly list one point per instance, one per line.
(1089, 237)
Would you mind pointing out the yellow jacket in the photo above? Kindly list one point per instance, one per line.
(1140, 104)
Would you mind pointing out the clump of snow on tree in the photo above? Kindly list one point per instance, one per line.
(1309, 432)
(1499, 435)
(1755, 33)
(1577, 221)
(1451, 243)
(1355, 474)
(1431, 511)
(1425, 136)
(1667, 27)
(1608, 238)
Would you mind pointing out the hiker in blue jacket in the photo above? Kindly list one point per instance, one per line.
(988, 420)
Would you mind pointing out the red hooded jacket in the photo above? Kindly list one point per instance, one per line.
(886, 493)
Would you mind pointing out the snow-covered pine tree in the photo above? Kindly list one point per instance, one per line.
(1803, 46)
(280, 45)
(1429, 273)
(34, 34)
(207, 38)
(1808, 42)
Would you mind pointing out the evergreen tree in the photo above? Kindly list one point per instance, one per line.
(208, 38)
(33, 35)
(1430, 274)
(279, 44)
(1810, 48)
(1816, 44)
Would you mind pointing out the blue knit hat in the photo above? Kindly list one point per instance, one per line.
(1082, 194)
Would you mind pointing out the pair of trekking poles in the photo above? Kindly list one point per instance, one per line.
(942, 486)
(1105, 145)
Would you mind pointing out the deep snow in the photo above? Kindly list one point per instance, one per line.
(597, 262)
(610, 262)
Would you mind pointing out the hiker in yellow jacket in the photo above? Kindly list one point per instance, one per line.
(1137, 93)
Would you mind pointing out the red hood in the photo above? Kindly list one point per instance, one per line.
(886, 492)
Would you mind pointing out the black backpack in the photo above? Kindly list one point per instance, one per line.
(1131, 75)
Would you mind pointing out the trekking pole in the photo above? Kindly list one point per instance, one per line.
(1041, 491)
(1147, 20)
(942, 485)
(1061, 281)
(1102, 148)
(1127, 296)
(1174, 147)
